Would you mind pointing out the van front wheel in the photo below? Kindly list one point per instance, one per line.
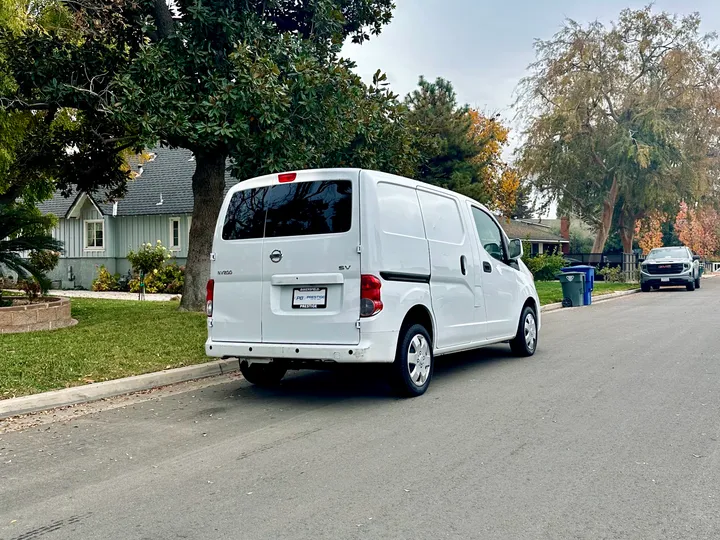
(525, 341)
(262, 374)
(414, 362)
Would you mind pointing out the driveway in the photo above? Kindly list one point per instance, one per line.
(610, 431)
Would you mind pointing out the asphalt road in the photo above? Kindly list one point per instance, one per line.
(610, 431)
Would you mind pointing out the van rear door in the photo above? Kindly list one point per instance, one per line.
(311, 259)
(287, 263)
(236, 267)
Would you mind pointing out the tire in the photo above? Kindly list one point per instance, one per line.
(412, 370)
(644, 287)
(691, 286)
(264, 375)
(526, 338)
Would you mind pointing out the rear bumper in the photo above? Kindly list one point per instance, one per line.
(376, 348)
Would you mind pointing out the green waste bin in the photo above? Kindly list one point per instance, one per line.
(573, 287)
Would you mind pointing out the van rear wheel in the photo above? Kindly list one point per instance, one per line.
(525, 341)
(266, 375)
(413, 367)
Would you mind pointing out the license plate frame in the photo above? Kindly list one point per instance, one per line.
(309, 298)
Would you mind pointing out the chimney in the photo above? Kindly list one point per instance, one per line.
(565, 227)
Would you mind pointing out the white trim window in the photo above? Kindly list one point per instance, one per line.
(174, 234)
(94, 234)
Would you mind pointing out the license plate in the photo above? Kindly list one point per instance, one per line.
(665, 279)
(309, 298)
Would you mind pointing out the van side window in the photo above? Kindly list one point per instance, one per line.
(489, 234)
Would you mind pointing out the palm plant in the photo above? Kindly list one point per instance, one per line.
(24, 229)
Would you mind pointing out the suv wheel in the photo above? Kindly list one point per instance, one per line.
(645, 287)
(262, 374)
(691, 286)
(414, 362)
(525, 341)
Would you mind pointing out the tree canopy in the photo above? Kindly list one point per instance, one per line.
(460, 148)
(622, 118)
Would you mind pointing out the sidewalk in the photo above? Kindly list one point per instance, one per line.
(114, 295)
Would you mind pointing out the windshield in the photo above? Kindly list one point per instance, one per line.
(668, 253)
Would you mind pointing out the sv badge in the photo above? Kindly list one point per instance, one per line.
(344, 267)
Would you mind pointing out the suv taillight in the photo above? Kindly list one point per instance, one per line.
(210, 293)
(370, 298)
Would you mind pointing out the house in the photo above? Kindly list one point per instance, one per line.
(542, 239)
(158, 206)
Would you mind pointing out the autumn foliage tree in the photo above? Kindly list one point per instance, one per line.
(502, 182)
(459, 148)
(649, 231)
(623, 118)
(699, 229)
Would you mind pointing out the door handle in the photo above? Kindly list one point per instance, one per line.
(487, 267)
(462, 265)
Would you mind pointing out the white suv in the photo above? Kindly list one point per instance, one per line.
(352, 266)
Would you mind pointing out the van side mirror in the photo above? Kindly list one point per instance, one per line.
(515, 249)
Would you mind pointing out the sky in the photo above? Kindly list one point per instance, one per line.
(484, 47)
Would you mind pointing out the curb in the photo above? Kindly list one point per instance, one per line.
(549, 308)
(97, 391)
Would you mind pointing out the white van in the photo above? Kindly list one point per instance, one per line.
(353, 266)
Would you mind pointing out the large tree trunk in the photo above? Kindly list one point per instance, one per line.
(605, 225)
(208, 186)
(627, 231)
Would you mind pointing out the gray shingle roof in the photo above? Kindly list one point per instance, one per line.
(168, 178)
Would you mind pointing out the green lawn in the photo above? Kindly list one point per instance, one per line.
(551, 291)
(113, 339)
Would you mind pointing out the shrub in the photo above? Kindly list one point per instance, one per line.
(149, 258)
(105, 281)
(151, 284)
(544, 267)
(31, 287)
(611, 274)
(44, 260)
(171, 278)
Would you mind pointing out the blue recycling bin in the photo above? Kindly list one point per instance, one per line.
(589, 272)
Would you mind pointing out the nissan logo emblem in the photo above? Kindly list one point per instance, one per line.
(276, 256)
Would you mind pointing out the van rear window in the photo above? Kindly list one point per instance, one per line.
(297, 209)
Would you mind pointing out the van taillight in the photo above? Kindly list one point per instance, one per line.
(370, 298)
(284, 178)
(209, 295)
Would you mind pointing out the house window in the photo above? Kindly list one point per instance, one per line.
(95, 235)
(175, 234)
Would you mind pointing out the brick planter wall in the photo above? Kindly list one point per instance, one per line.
(49, 314)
